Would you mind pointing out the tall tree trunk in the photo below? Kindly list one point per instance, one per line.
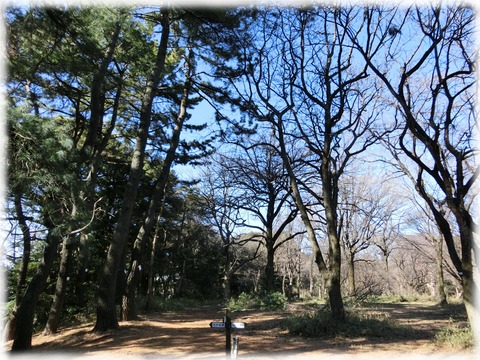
(310, 278)
(440, 288)
(351, 275)
(179, 292)
(470, 291)
(56, 308)
(129, 311)
(9, 331)
(270, 246)
(385, 261)
(128, 297)
(83, 257)
(470, 275)
(334, 280)
(106, 309)
(27, 241)
(227, 273)
(128, 303)
(151, 264)
(463, 263)
(318, 258)
(60, 288)
(270, 272)
(227, 285)
(270, 268)
(26, 310)
(181, 241)
(330, 196)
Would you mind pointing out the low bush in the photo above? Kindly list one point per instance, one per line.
(456, 337)
(269, 301)
(173, 304)
(274, 301)
(358, 324)
(244, 301)
(397, 298)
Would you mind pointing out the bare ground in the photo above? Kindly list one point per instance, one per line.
(187, 334)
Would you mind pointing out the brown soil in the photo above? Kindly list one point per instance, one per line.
(187, 334)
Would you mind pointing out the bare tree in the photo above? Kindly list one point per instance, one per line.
(425, 58)
(290, 258)
(365, 209)
(258, 175)
(262, 89)
(224, 204)
(424, 222)
(301, 81)
(333, 121)
(413, 269)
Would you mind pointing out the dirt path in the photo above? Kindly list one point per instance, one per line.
(186, 334)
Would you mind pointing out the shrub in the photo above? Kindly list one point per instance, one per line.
(173, 304)
(244, 301)
(274, 301)
(321, 324)
(270, 301)
(456, 337)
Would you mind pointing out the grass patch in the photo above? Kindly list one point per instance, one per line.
(175, 304)
(315, 302)
(269, 301)
(395, 299)
(358, 324)
(455, 337)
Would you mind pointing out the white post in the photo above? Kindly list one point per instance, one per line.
(235, 347)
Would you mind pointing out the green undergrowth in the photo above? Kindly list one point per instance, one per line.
(356, 324)
(175, 304)
(364, 323)
(455, 337)
(268, 301)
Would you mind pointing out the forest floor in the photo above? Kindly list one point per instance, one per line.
(186, 334)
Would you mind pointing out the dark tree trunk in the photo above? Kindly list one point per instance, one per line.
(179, 290)
(311, 278)
(270, 268)
(469, 281)
(60, 289)
(26, 310)
(330, 195)
(27, 240)
(106, 309)
(152, 260)
(351, 275)
(83, 256)
(334, 288)
(227, 294)
(129, 311)
(463, 263)
(9, 331)
(441, 295)
(227, 270)
(470, 291)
